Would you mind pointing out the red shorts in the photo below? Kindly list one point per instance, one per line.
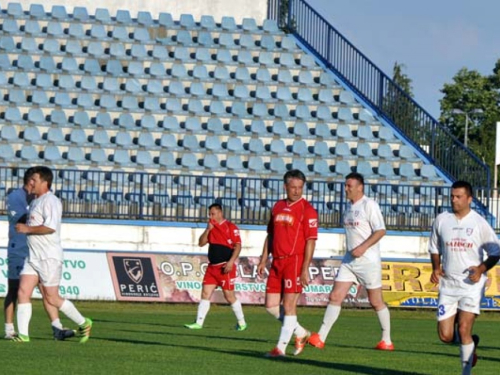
(284, 275)
(215, 276)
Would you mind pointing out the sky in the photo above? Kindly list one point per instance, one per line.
(433, 39)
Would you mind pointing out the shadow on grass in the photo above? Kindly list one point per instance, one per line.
(354, 368)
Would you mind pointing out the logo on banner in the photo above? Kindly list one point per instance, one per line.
(133, 267)
(134, 279)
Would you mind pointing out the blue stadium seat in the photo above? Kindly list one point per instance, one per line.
(365, 168)
(237, 127)
(256, 164)
(187, 21)
(246, 41)
(69, 64)
(8, 133)
(428, 172)
(101, 138)
(7, 152)
(108, 101)
(190, 143)
(80, 13)
(88, 83)
(98, 156)
(203, 54)
(92, 67)
(281, 110)
(234, 145)
(288, 43)
(365, 133)
(366, 116)
(346, 97)
(169, 141)
(365, 151)
(304, 94)
(193, 124)
(123, 139)
(278, 147)
(386, 134)
(144, 158)
(52, 154)
(219, 90)
(10, 26)
(245, 58)
(226, 40)
(66, 82)
(207, 22)
(263, 75)
(407, 171)
(167, 159)
(228, 23)
(267, 42)
(195, 106)
(386, 170)
(145, 140)
(241, 92)
(223, 56)
(81, 118)
(174, 105)
(170, 123)
(76, 155)
(78, 136)
(303, 112)
(344, 132)
(6, 65)
(32, 134)
(29, 153)
(200, 72)
(306, 77)
(152, 104)
(234, 163)
(114, 67)
(148, 122)
(166, 20)
(322, 149)
(117, 50)
(299, 147)
(189, 161)
(342, 168)
(52, 47)
(324, 113)
(130, 102)
(56, 136)
(270, 26)
(47, 64)
(17, 96)
(386, 152)
(263, 93)
(323, 130)
(135, 68)
(102, 15)
(98, 31)
(256, 146)
(122, 157)
(249, 24)
(74, 47)
(321, 167)
(214, 125)
(138, 51)
(134, 86)
(75, 30)
(39, 97)
(54, 29)
(277, 165)
(36, 116)
(59, 12)
(13, 114)
(32, 27)
(213, 143)
(407, 153)
(28, 44)
(343, 150)
(59, 118)
(280, 129)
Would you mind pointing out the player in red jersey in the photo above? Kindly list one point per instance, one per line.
(291, 239)
(224, 248)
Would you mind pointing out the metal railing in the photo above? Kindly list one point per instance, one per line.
(390, 102)
(93, 194)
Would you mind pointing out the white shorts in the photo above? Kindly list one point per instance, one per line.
(361, 271)
(49, 271)
(15, 266)
(459, 299)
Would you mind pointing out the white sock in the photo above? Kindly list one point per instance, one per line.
(68, 309)
(24, 311)
(300, 331)
(289, 324)
(238, 312)
(9, 328)
(203, 308)
(274, 311)
(331, 315)
(384, 318)
(57, 323)
(466, 352)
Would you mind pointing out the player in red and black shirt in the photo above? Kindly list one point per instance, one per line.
(224, 248)
(291, 239)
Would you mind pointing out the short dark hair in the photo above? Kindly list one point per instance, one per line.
(215, 205)
(28, 173)
(45, 174)
(463, 185)
(294, 173)
(356, 176)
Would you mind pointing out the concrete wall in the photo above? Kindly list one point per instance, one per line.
(163, 237)
(238, 9)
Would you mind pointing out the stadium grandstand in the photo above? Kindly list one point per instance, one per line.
(155, 114)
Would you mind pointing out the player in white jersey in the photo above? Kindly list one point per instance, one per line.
(364, 226)
(457, 245)
(17, 252)
(45, 260)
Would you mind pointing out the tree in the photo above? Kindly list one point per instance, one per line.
(477, 98)
(402, 79)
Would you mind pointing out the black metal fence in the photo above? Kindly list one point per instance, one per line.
(386, 97)
(96, 194)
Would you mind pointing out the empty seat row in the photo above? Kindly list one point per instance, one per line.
(144, 18)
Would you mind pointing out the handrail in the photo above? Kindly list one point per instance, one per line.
(380, 92)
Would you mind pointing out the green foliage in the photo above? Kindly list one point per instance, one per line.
(136, 338)
(477, 97)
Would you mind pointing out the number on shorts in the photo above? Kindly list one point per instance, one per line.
(288, 284)
(441, 310)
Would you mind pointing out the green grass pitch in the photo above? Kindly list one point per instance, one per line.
(140, 338)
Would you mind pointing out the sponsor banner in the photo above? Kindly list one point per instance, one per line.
(405, 284)
(135, 277)
(79, 278)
